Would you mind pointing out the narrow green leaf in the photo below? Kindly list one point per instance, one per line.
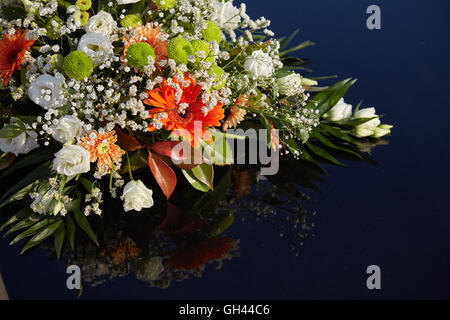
(83, 222)
(86, 184)
(31, 231)
(324, 154)
(34, 157)
(70, 225)
(41, 236)
(59, 239)
(23, 213)
(39, 172)
(21, 225)
(323, 139)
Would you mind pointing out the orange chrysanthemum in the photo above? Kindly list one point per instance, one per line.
(12, 51)
(103, 149)
(184, 118)
(151, 35)
(235, 117)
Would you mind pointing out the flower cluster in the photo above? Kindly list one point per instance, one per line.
(109, 83)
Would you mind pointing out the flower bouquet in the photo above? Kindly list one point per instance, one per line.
(117, 100)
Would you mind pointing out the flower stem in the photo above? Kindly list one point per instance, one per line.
(129, 166)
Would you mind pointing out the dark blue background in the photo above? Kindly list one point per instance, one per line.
(396, 215)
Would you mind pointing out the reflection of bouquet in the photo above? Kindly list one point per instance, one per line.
(93, 90)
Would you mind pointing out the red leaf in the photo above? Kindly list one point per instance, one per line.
(127, 142)
(163, 174)
(166, 148)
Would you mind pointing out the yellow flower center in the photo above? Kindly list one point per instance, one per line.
(102, 147)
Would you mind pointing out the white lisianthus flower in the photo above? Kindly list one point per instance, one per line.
(46, 91)
(226, 16)
(136, 196)
(22, 144)
(366, 129)
(96, 45)
(72, 160)
(259, 64)
(67, 129)
(127, 1)
(340, 111)
(290, 85)
(102, 22)
(41, 204)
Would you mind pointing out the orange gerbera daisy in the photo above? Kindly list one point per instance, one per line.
(103, 149)
(151, 35)
(186, 117)
(12, 51)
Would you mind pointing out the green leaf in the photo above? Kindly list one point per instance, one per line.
(6, 159)
(70, 225)
(34, 157)
(22, 225)
(59, 239)
(30, 231)
(324, 154)
(219, 151)
(23, 213)
(324, 140)
(10, 131)
(42, 235)
(86, 184)
(338, 133)
(39, 172)
(354, 122)
(220, 227)
(297, 48)
(197, 184)
(83, 222)
(205, 174)
(328, 98)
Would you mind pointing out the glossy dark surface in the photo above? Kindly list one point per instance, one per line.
(395, 215)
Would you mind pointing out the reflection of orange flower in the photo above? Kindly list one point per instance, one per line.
(122, 251)
(241, 183)
(180, 117)
(12, 51)
(196, 255)
(151, 35)
(103, 149)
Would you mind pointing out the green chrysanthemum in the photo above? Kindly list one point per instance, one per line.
(218, 71)
(212, 32)
(77, 65)
(165, 4)
(130, 20)
(179, 49)
(138, 53)
(84, 5)
(200, 45)
(84, 18)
